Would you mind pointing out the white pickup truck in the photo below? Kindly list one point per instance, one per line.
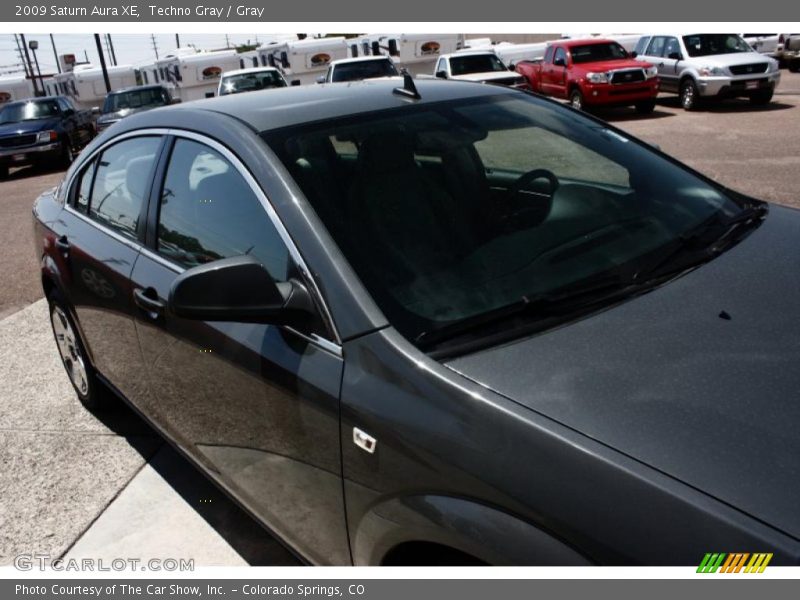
(480, 66)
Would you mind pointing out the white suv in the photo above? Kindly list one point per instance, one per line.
(709, 65)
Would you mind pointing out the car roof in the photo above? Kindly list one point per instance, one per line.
(134, 88)
(570, 43)
(342, 61)
(284, 107)
(470, 53)
(35, 99)
(248, 70)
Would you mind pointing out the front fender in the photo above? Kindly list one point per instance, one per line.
(489, 534)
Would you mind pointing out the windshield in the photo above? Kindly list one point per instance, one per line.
(451, 210)
(476, 63)
(368, 69)
(708, 44)
(134, 99)
(29, 111)
(250, 82)
(597, 52)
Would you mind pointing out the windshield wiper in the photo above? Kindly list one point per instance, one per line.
(563, 301)
(695, 247)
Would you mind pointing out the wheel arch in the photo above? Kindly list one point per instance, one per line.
(463, 527)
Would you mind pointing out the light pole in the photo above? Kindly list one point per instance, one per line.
(34, 46)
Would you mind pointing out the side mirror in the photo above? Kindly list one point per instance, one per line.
(95, 110)
(511, 67)
(559, 62)
(441, 74)
(238, 289)
(295, 82)
(210, 94)
(634, 54)
(175, 101)
(321, 79)
(674, 56)
(68, 112)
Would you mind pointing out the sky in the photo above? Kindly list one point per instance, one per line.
(129, 48)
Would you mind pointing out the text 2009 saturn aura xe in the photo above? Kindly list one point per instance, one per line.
(440, 323)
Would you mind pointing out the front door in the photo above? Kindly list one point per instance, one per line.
(257, 405)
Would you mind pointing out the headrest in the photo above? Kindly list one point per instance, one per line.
(387, 151)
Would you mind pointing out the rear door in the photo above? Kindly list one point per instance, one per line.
(257, 405)
(100, 234)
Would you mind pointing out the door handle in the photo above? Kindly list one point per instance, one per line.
(62, 244)
(148, 300)
(660, 64)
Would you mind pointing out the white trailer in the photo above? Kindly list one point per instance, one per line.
(86, 86)
(417, 52)
(15, 87)
(191, 75)
(303, 60)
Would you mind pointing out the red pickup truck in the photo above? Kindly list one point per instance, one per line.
(593, 72)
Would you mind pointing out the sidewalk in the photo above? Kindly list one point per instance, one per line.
(77, 485)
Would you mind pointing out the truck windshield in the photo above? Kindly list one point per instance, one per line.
(597, 52)
(29, 111)
(251, 82)
(708, 44)
(475, 63)
(368, 69)
(454, 210)
(134, 99)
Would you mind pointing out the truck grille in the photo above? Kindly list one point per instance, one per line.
(13, 141)
(627, 76)
(749, 69)
(507, 81)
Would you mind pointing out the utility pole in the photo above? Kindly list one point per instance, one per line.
(85, 55)
(30, 66)
(177, 41)
(55, 54)
(155, 45)
(111, 49)
(21, 56)
(34, 45)
(227, 41)
(102, 61)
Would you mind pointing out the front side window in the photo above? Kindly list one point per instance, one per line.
(453, 211)
(656, 47)
(123, 176)
(208, 211)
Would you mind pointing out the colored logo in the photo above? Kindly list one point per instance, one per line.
(211, 72)
(321, 59)
(429, 48)
(736, 562)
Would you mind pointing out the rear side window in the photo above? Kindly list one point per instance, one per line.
(208, 212)
(122, 178)
(656, 47)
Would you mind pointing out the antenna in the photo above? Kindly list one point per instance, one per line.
(409, 89)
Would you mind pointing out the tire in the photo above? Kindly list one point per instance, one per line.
(645, 107)
(73, 355)
(576, 99)
(3, 172)
(67, 153)
(761, 98)
(794, 66)
(689, 95)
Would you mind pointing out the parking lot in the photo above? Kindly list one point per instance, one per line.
(77, 485)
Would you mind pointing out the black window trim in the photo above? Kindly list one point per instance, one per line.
(150, 208)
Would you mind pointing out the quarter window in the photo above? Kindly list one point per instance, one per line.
(208, 212)
(122, 177)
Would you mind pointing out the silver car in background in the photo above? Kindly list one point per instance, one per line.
(709, 65)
